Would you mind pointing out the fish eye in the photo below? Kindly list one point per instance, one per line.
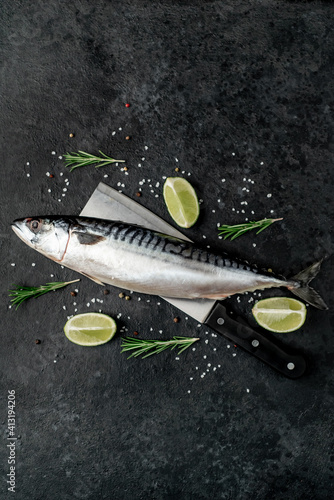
(34, 225)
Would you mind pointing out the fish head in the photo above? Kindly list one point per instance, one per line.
(48, 235)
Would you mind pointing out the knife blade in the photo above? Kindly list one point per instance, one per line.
(108, 203)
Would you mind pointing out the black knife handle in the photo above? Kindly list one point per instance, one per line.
(277, 356)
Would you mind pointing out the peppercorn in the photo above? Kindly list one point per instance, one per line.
(127, 105)
(135, 333)
(138, 194)
(177, 169)
(106, 292)
(71, 135)
(127, 297)
(73, 294)
(125, 169)
(37, 341)
(127, 138)
(176, 319)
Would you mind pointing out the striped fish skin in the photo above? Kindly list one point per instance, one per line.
(142, 260)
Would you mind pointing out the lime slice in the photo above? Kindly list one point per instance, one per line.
(280, 314)
(90, 329)
(181, 201)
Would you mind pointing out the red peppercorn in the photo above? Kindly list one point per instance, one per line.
(127, 105)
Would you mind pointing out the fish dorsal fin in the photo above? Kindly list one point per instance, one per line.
(96, 280)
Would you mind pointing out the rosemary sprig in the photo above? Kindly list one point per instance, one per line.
(82, 159)
(22, 293)
(148, 347)
(239, 229)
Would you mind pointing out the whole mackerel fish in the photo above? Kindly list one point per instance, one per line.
(139, 259)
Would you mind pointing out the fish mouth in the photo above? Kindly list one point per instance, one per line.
(16, 227)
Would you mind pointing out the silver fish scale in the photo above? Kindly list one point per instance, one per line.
(152, 240)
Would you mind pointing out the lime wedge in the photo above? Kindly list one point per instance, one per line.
(181, 201)
(280, 314)
(90, 329)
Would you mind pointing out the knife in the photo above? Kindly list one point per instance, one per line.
(108, 203)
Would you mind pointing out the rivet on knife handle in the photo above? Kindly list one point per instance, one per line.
(291, 365)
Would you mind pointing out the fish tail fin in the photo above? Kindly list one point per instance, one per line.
(306, 292)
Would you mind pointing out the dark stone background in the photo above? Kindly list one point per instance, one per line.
(234, 90)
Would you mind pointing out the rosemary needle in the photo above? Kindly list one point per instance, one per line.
(82, 159)
(239, 229)
(22, 293)
(148, 347)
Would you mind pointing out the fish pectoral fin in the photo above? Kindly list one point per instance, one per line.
(88, 238)
(99, 282)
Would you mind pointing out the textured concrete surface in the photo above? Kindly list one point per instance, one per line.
(238, 94)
